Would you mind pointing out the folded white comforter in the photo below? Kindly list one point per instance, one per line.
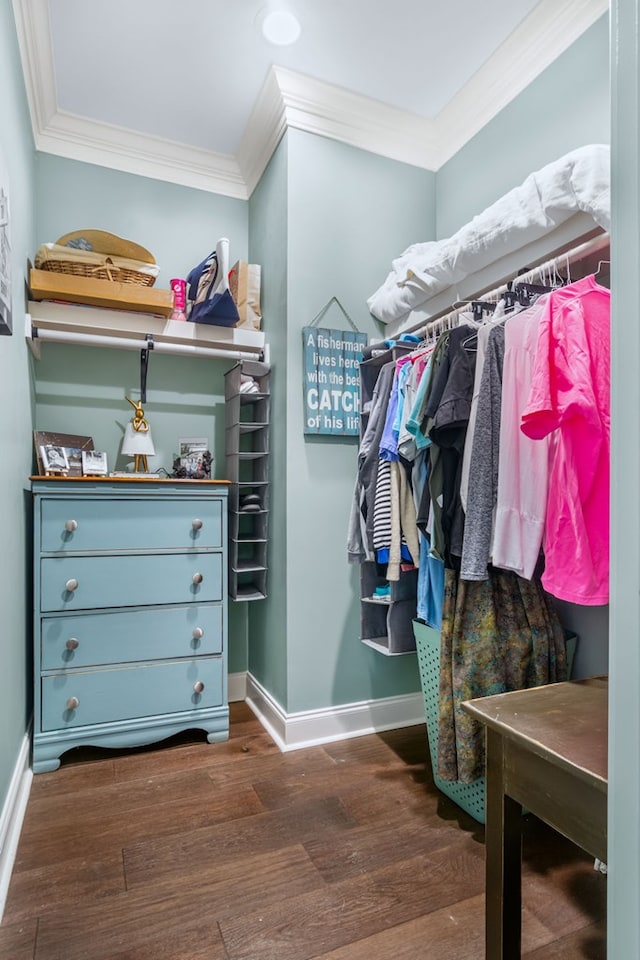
(578, 181)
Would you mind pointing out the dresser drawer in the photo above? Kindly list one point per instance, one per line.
(109, 695)
(161, 523)
(129, 581)
(124, 636)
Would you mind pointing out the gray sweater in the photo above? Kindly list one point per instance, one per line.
(483, 469)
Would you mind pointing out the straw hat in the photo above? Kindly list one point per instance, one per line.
(109, 244)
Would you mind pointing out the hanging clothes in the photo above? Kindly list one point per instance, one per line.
(482, 338)
(395, 533)
(483, 492)
(447, 416)
(360, 534)
(523, 465)
(570, 394)
(497, 635)
(395, 537)
(431, 568)
(389, 442)
(510, 421)
(407, 446)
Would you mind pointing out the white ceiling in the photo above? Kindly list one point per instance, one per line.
(191, 70)
(188, 90)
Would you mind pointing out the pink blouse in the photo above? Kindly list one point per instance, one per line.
(570, 400)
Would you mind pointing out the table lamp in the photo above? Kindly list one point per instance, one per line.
(137, 442)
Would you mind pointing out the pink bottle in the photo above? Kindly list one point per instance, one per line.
(179, 288)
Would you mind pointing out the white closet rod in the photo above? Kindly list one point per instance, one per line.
(122, 343)
(566, 259)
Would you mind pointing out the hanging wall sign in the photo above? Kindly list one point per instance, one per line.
(332, 380)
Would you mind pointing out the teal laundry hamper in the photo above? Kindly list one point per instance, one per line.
(469, 796)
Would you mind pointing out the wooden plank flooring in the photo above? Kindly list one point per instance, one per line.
(234, 851)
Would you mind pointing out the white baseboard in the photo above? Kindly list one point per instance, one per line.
(237, 686)
(292, 731)
(12, 815)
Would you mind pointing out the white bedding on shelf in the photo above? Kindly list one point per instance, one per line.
(577, 182)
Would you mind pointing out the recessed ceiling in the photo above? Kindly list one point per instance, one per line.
(193, 86)
(191, 70)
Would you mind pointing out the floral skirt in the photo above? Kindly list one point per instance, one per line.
(497, 635)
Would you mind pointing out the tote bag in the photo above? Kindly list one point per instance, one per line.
(208, 286)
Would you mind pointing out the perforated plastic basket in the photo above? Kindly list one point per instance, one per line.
(469, 796)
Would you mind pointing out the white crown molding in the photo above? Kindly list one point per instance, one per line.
(78, 138)
(267, 124)
(330, 111)
(109, 146)
(306, 728)
(534, 45)
(289, 99)
(33, 28)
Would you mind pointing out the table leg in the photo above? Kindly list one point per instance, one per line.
(503, 842)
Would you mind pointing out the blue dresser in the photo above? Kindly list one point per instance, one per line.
(130, 615)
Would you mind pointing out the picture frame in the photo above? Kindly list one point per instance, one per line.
(54, 459)
(73, 446)
(94, 463)
(192, 456)
(194, 460)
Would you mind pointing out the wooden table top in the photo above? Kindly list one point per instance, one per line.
(564, 723)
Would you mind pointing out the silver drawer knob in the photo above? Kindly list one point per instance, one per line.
(197, 578)
(72, 643)
(71, 585)
(198, 633)
(196, 524)
(73, 703)
(71, 525)
(198, 687)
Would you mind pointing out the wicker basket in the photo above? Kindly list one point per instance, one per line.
(95, 265)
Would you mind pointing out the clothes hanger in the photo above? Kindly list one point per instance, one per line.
(603, 281)
(483, 312)
(527, 293)
(445, 323)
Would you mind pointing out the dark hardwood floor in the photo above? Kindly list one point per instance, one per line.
(234, 851)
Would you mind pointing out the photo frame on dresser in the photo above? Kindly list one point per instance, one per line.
(68, 462)
(194, 460)
(94, 463)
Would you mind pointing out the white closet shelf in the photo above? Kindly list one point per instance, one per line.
(123, 330)
(579, 229)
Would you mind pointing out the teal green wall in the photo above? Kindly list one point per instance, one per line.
(345, 206)
(178, 225)
(268, 622)
(85, 388)
(324, 221)
(82, 390)
(566, 107)
(16, 147)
